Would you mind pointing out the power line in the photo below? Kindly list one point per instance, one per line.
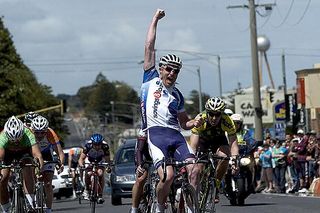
(304, 13)
(287, 15)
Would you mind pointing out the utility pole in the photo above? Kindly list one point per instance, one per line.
(255, 66)
(219, 73)
(283, 59)
(200, 92)
(255, 73)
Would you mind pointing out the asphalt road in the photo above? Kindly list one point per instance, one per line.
(257, 203)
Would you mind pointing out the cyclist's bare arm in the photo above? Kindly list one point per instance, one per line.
(188, 124)
(36, 153)
(106, 158)
(2, 152)
(81, 159)
(194, 142)
(69, 160)
(149, 50)
(58, 149)
(233, 142)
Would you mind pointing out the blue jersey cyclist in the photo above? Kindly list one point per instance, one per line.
(163, 113)
(95, 150)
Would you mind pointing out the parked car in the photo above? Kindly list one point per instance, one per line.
(122, 176)
(62, 183)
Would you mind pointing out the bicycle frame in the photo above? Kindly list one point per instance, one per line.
(149, 199)
(187, 198)
(94, 183)
(208, 188)
(18, 198)
(40, 204)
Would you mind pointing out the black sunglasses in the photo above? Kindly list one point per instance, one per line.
(215, 114)
(169, 69)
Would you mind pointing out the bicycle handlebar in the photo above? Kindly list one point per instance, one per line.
(171, 162)
(21, 163)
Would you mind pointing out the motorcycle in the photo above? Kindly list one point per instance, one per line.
(239, 186)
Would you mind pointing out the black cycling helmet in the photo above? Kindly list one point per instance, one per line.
(29, 116)
(97, 139)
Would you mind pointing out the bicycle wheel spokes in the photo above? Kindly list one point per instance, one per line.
(207, 203)
(188, 200)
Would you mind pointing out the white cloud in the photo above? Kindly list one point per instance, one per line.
(47, 30)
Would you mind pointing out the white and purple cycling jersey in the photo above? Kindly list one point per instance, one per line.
(159, 105)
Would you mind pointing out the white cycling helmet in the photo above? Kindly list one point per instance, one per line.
(14, 128)
(228, 112)
(39, 123)
(171, 60)
(237, 117)
(215, 104)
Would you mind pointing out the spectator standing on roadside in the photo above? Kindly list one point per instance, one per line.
(300, 160)
(266, 167)
(310, 155)
(279, 153)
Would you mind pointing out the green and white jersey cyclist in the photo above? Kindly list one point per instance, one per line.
(16, 142)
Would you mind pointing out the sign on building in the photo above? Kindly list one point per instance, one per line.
(244, 106)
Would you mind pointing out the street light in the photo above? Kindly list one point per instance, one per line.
(112, 111)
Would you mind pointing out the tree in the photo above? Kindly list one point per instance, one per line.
(193, 108)
(20, 92)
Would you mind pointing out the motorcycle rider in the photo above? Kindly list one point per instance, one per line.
(246, 148)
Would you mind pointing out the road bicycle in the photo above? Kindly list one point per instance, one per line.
(182, 196)
(40, 195)
(148, 201)
(95, 186)
(18, 200)
(208, 184)
(79, 185)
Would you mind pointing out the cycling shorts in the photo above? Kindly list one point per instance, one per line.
(214, 144)
(74, 165)
(16, 155)
(167, 142)
(48, 167)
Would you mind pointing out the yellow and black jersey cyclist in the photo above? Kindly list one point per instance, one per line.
(217, 133)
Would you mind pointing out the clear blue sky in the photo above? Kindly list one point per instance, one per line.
(67, 43)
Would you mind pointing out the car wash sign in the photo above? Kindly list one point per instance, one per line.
(244, 106)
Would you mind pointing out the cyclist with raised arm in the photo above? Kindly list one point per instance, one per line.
(48, 142)
(163, 112)
(96, 150)
(212, 135)
(73, 158)
(16, 142)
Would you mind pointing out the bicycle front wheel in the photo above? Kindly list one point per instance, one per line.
(18, 202)
(40, 199)
(94, 191)
(207, 198)
(188, 202)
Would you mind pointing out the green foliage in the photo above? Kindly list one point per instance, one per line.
(193, 108)
(96, 100)
(20, 90)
